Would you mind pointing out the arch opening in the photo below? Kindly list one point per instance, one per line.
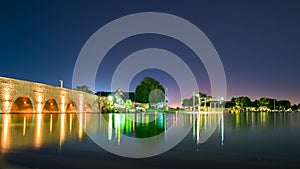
(87, 108)
(50, 106)
(71, 107)
(22, 105)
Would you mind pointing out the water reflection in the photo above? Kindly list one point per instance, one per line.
(252, 120)
(38, 130)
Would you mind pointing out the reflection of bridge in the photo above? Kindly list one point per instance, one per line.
(24, 96)
(36, 130)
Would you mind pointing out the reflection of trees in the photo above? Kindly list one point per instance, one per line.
(137, 125)
(248, 121)
(150, 129)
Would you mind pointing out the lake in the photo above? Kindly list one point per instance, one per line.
(212, 140)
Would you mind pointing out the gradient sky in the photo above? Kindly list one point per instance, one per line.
(258, 42)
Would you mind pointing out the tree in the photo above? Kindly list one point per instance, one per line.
(229, 104)
(84, 88)
(294, 107)
(128, 104)
(283, 104)
(266, 102)
(241, 101)
(187, 102)
(202, 95)
(255, 103)
(147, 86)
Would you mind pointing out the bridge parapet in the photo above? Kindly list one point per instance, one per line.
(19, 95)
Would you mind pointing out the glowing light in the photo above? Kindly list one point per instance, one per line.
(51, 104)
(5, 132)
(222, 131)
(119, 136)
(133, 122)
(62, 105)
(6, 107)
(39, 107)
(110, 98)
(79, 127)
(39, 97)
(6, 95)
(198, 129)
(24, 126)
(38, 136)
(109, 130)
(25, 102)
(50, 130)
(62, 129)
(70, 123)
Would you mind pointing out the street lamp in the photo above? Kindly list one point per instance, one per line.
(193, 108)
(61, 83)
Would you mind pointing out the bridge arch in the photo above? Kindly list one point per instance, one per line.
(50, 106)
(22, 104)
(71, 107)
(87, 107)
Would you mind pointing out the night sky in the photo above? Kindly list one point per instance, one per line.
(257, 41)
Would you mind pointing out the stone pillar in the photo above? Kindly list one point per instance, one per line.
(7, 92)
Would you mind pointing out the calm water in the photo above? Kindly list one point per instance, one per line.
(248, 140)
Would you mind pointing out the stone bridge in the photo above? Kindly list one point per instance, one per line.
(18, 96)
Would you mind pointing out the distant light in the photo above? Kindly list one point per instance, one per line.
(24, 102)
(111, 98)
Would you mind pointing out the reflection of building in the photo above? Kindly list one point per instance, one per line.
(205, 126)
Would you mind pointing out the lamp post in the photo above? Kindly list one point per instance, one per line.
(61, 83)
(199, 102)
(193, 108)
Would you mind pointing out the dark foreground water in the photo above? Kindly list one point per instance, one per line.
(54, 141)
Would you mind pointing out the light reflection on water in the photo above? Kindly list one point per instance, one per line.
(38, 130)
(237, 138)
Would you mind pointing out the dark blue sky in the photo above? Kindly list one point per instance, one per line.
(258, 42)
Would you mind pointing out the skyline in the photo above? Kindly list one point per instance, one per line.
(256, 43)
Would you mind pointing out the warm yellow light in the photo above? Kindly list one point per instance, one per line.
(62, 129)
(39, 107)
(70, 123)
(80, 132)
(38, 136)
(24, 126)
(50, 124)
(6, 106)
(5, 139)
